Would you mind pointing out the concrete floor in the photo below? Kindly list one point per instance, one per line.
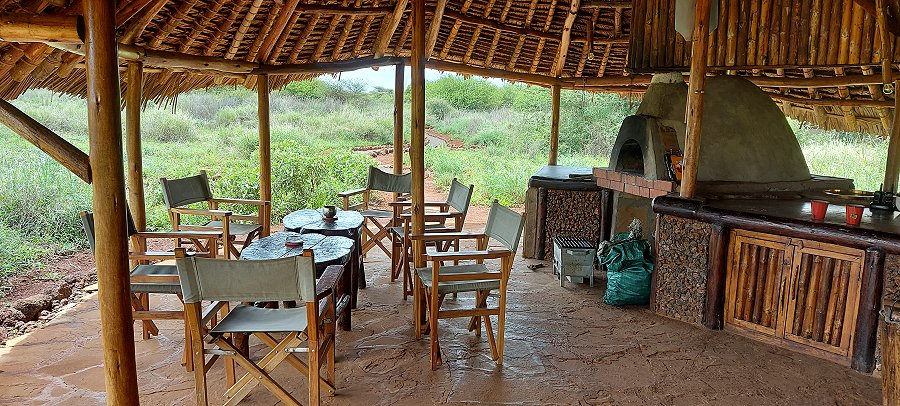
(564, 346)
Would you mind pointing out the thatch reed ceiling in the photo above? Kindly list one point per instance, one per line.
(603, 45)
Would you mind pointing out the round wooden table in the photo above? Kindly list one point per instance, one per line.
(327, 250)
(348, 224)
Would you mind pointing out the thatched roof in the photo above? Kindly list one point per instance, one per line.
(784, 44)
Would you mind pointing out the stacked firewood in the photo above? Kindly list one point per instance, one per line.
(571, 214)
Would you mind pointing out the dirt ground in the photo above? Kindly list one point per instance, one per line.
(563, 347)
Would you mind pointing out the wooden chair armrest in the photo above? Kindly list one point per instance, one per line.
(242, 201)
(353, 192)
(328, 281)
(461, 235)
(462, 255)
(434, 215)
(150, 256)
(202, 212)
(409, 203)
(211, 311)
(200, 235)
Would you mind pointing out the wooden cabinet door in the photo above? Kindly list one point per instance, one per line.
(758, 270)
(823, 296)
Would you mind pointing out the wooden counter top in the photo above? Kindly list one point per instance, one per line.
(790, 218)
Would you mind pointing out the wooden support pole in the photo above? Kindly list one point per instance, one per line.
(417, 141)
(554, 124)
(695, 99)
(892, 167)
(398, 117)
(74, 159)
(871, 288)
(715, 283)
(135, 81)
(111, 254)
(265, 150)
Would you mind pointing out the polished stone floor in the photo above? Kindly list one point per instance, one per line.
(564, 347)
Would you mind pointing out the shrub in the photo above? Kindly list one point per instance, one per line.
(439, 109)
(468, 94)
(163, 126)
(308, 89)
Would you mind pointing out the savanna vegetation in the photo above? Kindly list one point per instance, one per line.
(314, 125)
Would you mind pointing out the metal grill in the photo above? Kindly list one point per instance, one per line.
(574, 242)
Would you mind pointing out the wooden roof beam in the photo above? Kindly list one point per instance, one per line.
(242, 30)
(318, 68)
(170, 60)
(435, 28)
(566, 37)
(388, 26)
(32, 28)
(475, 35)
(285, 16)
(137, 27)
(539, 52)
(345, 33)
(823, 102)
(173, 22)
(454, 30)
(616, 4)
(344, 10)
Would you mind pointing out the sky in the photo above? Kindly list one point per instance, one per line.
(384, 76)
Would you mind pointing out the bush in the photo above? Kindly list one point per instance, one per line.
(162, 126)
(439, 109)
(466, 94)
(308, 89)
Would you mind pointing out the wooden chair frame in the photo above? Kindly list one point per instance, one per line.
(428, 301)
(369, 238)
(140, 301)
(262, 218)
(320, 338)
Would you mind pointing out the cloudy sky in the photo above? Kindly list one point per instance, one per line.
(384, 76)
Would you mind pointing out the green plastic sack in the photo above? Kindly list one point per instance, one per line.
(629, 266)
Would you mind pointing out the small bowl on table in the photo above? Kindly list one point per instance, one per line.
(329, 214)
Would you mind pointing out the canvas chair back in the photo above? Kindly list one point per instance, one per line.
(184, 191)
(504, 226)
(283, 279)
(87, 222)
(388, 182)
(459, 196)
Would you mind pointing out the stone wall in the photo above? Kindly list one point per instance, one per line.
(571, 213)
(682, 260)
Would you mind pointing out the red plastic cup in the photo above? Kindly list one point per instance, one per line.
(819, 208)
(854, 214)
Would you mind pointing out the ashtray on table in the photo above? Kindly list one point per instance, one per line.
(293, 241)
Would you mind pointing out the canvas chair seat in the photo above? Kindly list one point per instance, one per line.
(235, 228)
(382, 214)
(246, 319)
(459, 286)
(156, 287)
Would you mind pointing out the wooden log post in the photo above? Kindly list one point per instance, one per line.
(867, 317)
(31, 28)
(713, 314)
(417, 136)
(74, 159)
(398, 117)
(892, 166)
(695, 99)
(133, 99)
(554, 124)
(111, 255)
(265, 151)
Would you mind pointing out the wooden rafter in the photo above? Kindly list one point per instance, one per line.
(496, 40)
(363, 33)
(265, 32)
(282, 21)
(563, 51)
(471, 48)
(326, 37)
(455, 29)
(225, 28)
(345, 33)
(242, 30)
(540, 47)
(282, 39)
(518, 49)
(137, 26)
(435, 28)
(388, 26)
(588, 49)
(303, 37)
(173, 22)
(199, 25)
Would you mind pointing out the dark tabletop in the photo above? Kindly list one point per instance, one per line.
(326, 249)
(311, 221)
(879, 221)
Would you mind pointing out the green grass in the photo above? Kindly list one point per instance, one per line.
(314, 125)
